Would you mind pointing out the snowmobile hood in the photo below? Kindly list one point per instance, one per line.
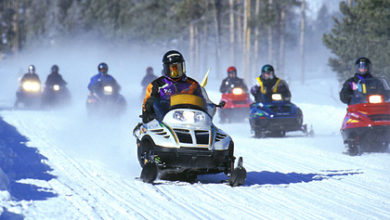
(187, 99)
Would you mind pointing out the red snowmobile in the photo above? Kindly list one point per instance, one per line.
(366, 126)
(236, 106)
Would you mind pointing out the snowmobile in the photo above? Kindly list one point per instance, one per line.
(183, 141)
(55, 95)
(236, 107)
(366, 126)
(276, 117)
(29, 94)
(105, 99)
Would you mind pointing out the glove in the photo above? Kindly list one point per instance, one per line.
(354, 86)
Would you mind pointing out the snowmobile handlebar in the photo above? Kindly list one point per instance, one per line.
(221, 104)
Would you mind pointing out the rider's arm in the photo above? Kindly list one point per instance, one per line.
(284, 90)
(48, 80)
(118, 87)
(346, 92)
(63, 82)
(92, 83)
(36, 77)
(255, 91)
(147, 107)
(244, 87)
(223, 87)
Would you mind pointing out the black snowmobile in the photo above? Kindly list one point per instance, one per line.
(183, 142)
(55, 95)
(29, 93)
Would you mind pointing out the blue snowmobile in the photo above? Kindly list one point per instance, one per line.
(276, 117)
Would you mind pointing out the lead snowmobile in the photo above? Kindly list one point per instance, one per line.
(182, 140)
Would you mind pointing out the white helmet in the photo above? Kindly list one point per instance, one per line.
(31, 69)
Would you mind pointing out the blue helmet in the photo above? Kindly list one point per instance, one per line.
(363, 66)
(103, 68)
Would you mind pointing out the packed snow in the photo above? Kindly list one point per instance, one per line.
(63, 164)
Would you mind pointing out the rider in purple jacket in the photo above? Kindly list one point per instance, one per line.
(173, 81)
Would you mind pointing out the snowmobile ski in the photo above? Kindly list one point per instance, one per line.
(238, 175)
(149, 172)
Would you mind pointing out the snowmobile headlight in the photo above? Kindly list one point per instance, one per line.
(178, 115)
(199, 117)
(374, 99)
(237, 91)
(56, 87)
(189, 116)
(276, 97)
(107, 90)
(31, 86)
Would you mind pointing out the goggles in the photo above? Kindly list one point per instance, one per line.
(268, 75)
(176, 70)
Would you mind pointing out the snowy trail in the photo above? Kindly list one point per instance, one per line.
(296, 177)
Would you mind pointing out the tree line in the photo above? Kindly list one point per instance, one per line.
(362, 30)
(217, 33)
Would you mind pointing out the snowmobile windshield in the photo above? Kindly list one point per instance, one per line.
(163, 106)
(367, 90)
(176, 70)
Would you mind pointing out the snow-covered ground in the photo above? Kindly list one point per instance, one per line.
(65, 165)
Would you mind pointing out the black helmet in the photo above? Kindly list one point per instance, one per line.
(31, 69)
(54, 69)
(174, 65)
(363, 66)
(267, 72)
(103, 68)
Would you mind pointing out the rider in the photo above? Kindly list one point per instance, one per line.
(30, 75)
(172, 82)
(148, 78)
(363, 68)
(101, 78)
(232, 81)
(54, 78)
(269, 84)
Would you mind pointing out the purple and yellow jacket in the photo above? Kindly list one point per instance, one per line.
(163, 88)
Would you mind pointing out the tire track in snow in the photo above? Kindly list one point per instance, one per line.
(102, 188)
(198, 212)
(309, 164)
(217, 195)
(71, 172)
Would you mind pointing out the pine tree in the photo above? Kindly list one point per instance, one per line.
(364, 30)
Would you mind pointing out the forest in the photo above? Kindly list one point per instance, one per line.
(213, 33)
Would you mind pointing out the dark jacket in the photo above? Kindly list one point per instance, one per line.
(30, 76)
(163, 88)
(346, 92)
(265, 88)
(55, 78)
(229, 83)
